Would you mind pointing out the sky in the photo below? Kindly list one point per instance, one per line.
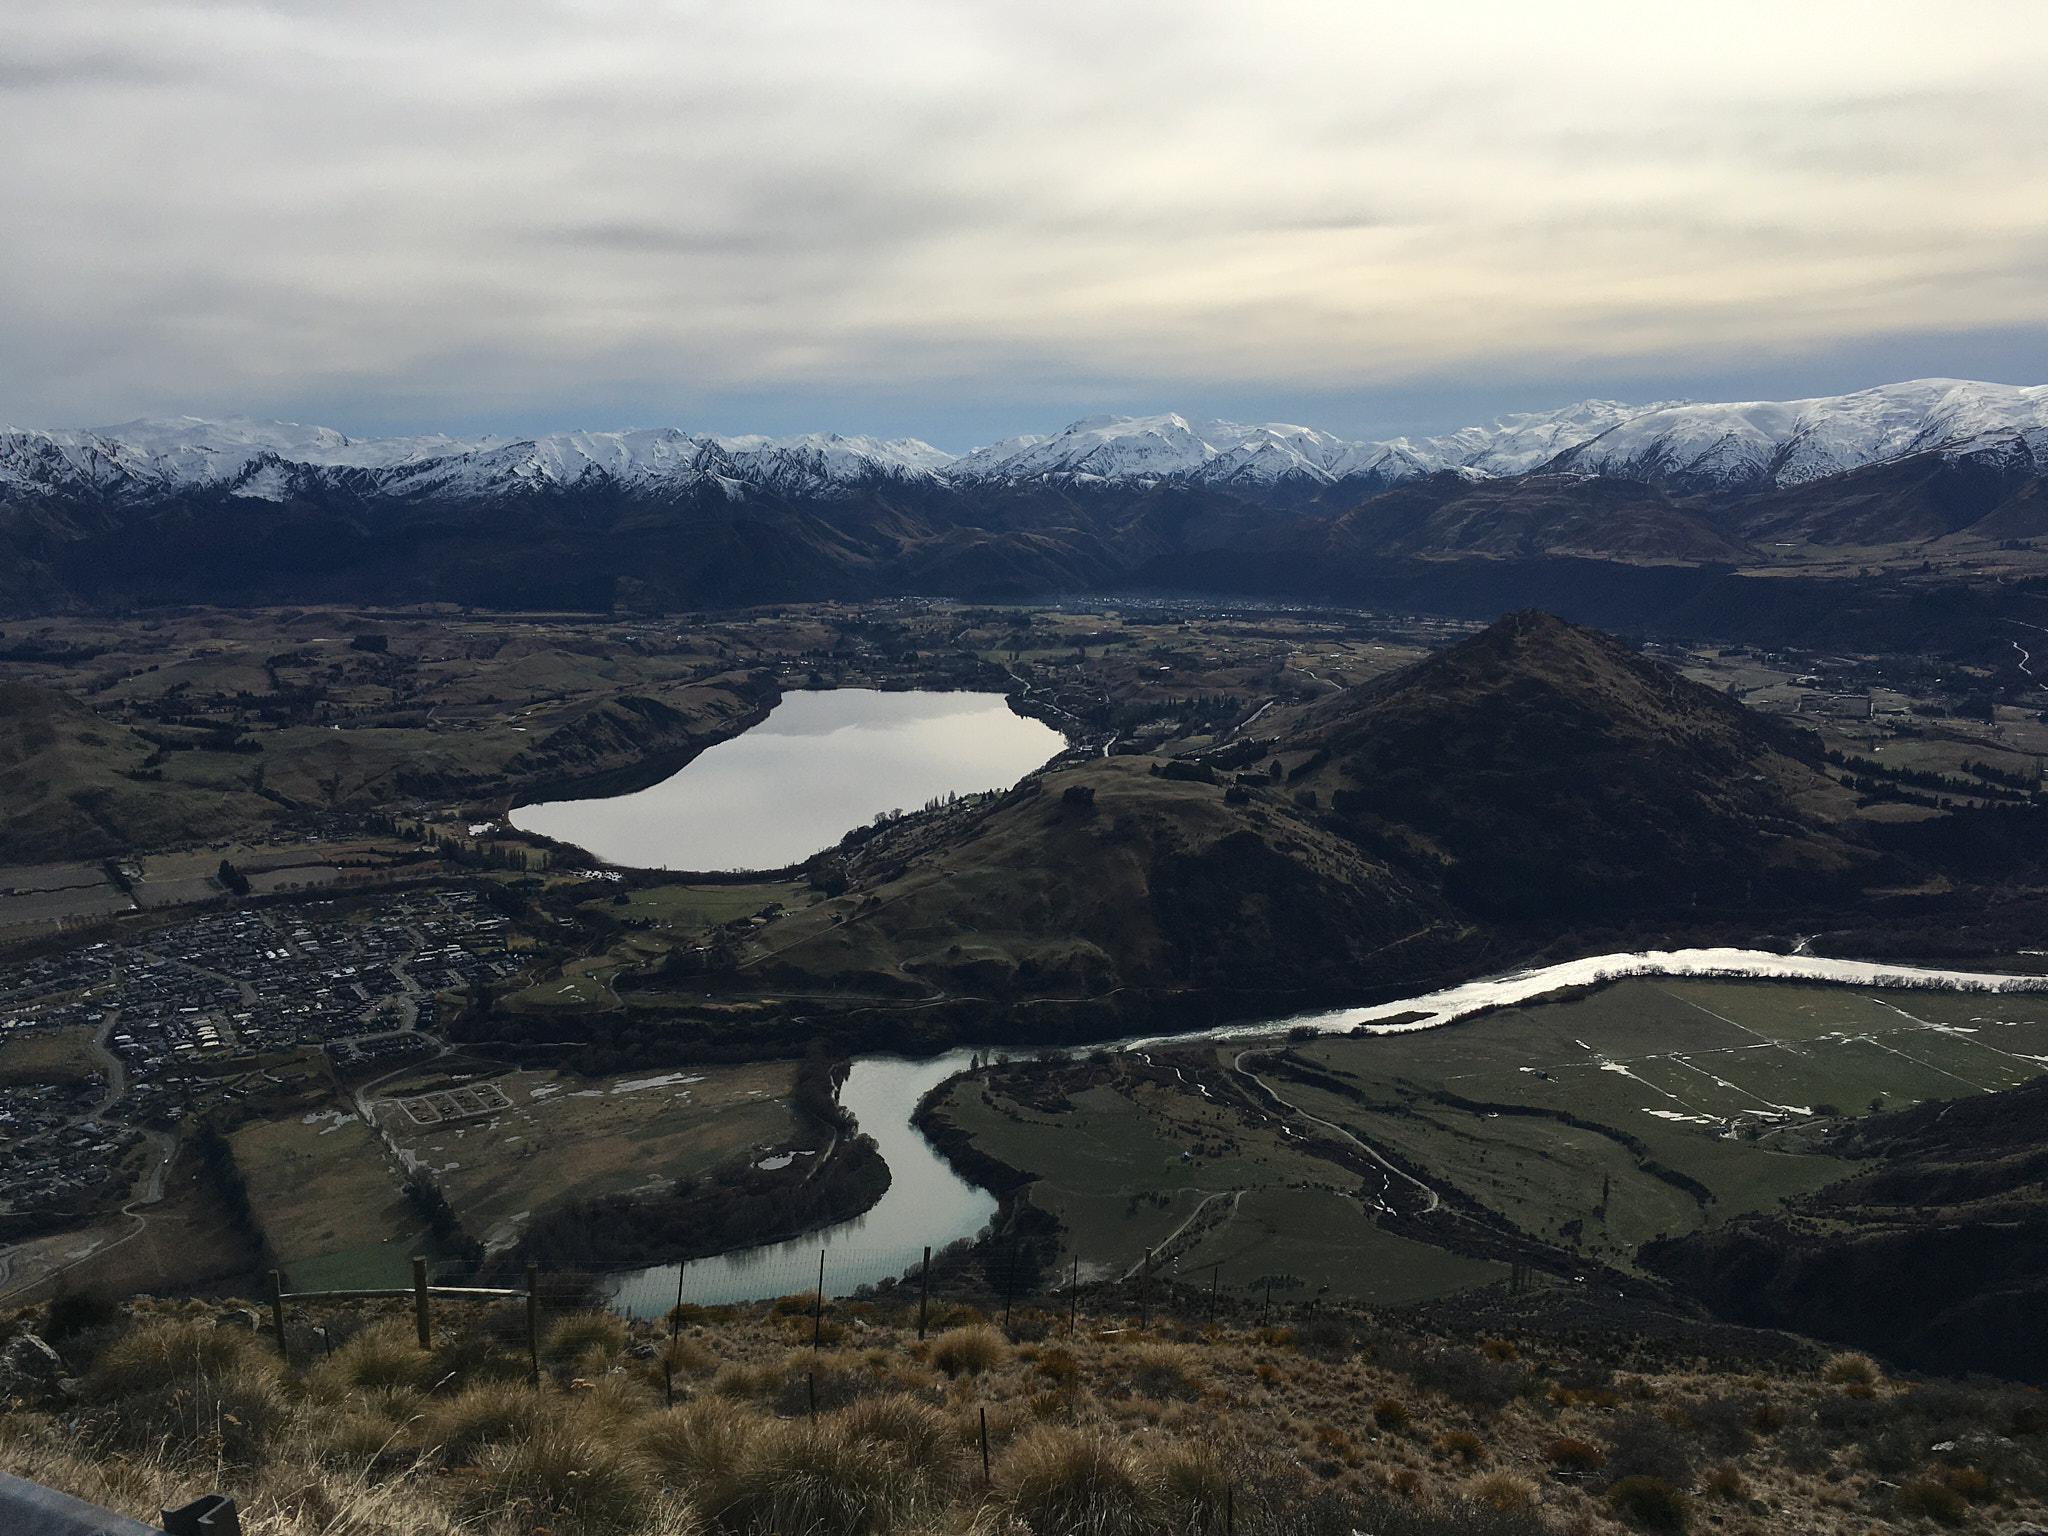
(964, 220)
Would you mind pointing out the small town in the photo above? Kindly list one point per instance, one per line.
(190, 1015)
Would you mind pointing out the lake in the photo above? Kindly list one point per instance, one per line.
(821, 764)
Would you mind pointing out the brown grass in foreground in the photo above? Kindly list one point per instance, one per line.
(1114, 1432)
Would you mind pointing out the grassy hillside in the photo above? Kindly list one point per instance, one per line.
(75, 786)
(1552, 772)
(1321, 1426)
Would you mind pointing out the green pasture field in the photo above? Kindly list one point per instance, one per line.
(1123, 1174)
(566, 1137)
(1718, 1079)
(49, 1056)
(1945, 754)
(330, 1201)
(1716, 1082)
(701, 906)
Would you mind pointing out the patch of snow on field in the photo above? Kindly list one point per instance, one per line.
(666, 1080)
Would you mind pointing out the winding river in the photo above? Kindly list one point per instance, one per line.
(928, 1203)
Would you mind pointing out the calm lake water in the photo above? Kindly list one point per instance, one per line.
(821, 764)
(928, 1203)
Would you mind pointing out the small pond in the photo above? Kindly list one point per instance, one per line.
(821, 764)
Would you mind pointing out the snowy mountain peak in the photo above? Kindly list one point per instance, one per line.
(1684, 445)
(1752, 445)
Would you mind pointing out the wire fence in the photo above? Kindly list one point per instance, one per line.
(1026, 1281)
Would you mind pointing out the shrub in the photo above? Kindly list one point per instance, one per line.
(823, 1389)
(1161, 1370)
(1970, 1482)
(1571, 1457)
(701, 1448)
(1724, 1483)
(688, 1358)
(158, 1354)
(1467, 1377)
(1463, 1444)
(354, 1437)
(1059, 1366)
(234, 1414)
(919, 1435)
(462, 1359)
(1326, 1338)
(1934, 1500)
(1649, 1502)
(1643, 1445)
(1391, 1414)
(494, 1413)
(386, 1354)
(582, 1333)
(560, 1475)
(1193, 1485)
(73, 1312)
(816, 1477)
(1723, 1422)
(747, 1381)
(1060, 1480)
(1503, 1491)
(969, 1351)
(1849, 1368)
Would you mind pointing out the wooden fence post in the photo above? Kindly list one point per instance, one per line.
(533, 1323)
(1145, 1293)
(818, 1311)
(1010, 1290)
(422, 1309)
(924, 1290)
(277, 1313)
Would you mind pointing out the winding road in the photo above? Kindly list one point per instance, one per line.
(1238, 1066)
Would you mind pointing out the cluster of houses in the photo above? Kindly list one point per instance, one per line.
(184, 1014)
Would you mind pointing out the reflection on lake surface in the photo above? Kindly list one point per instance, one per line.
(820, 765)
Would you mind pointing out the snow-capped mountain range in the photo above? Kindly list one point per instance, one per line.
(1681, 445)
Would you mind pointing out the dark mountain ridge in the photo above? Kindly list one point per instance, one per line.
(1595, 546)
(1555, 771)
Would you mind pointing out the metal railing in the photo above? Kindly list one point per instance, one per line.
(30, 1509)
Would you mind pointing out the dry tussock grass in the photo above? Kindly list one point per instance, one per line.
(1106, 1433)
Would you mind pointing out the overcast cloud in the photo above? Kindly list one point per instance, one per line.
(969, 218)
